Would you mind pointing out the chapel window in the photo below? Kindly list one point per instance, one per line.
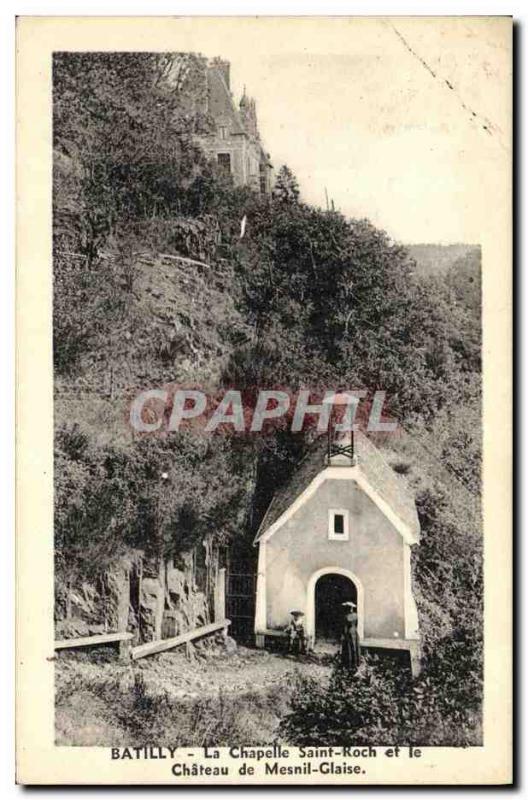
(338, 524)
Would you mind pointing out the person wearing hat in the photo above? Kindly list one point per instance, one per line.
(350, 650)
(296, 634)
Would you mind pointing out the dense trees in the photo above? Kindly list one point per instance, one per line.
(286, 189)
(159, 498)
(341, 298)
(382, 705)
(123, 127)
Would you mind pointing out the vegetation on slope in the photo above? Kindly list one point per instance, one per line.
(306, 298)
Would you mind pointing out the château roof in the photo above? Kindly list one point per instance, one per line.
(221, 99)
(223, 106)
(373, 467)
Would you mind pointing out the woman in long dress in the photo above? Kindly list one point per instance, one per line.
(350, 652)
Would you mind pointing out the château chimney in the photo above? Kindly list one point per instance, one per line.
(248, 112)
(224, 67)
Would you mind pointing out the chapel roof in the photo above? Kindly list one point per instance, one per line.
(392, 488)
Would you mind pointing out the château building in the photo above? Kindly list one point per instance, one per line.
(235, 143)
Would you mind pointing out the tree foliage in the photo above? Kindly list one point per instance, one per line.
(162, 500)
(123, 126)
(381, 705)
(286, 189)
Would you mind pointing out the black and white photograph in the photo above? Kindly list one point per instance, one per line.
(269, 330)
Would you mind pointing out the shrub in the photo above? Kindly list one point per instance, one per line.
(381, 704)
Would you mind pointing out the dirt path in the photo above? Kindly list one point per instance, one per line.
(208, 673)
(245, 670)
(166, 697)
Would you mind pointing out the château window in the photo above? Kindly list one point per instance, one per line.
(224, 162)
(338, 524)
(223, 132)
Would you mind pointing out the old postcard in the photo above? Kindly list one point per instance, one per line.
(264, 400)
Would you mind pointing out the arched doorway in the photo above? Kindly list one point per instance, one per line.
(331, 591)
(311, 602)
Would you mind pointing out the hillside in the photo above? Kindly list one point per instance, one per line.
(438, 259)
(154, 284)
(172, 320)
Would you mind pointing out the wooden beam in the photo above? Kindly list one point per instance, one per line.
(167, 644)
(85, 641)
(390, 644)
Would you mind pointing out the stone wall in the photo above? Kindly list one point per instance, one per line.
(152, 600)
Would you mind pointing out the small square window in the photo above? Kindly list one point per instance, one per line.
(338, 524)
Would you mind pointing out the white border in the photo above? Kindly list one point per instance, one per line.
(196, 7)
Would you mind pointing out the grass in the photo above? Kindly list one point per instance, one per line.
(102, 703)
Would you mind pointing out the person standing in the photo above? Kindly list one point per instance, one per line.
(350, 649)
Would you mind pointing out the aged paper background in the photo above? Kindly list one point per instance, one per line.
(489, 211)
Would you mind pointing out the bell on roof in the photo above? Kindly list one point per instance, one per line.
(341, 449)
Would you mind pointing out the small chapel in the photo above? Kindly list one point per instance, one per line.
(341, 530)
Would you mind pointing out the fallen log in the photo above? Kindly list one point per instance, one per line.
(150, 648)
(100, 638)
(122, 637)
